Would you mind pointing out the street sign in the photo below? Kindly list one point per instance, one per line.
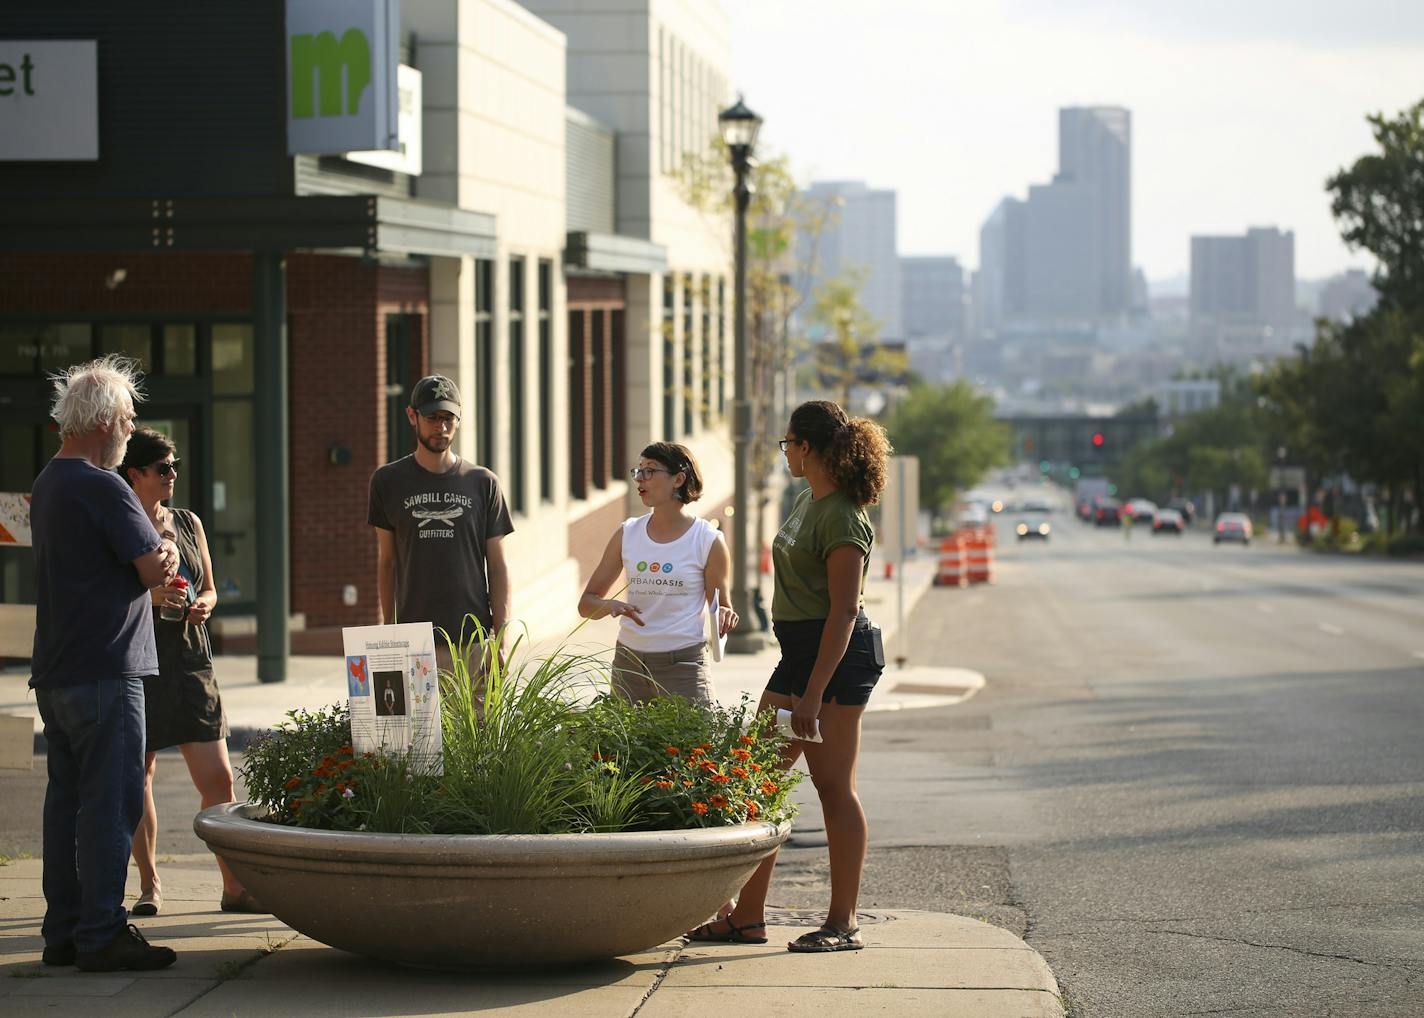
(341, 76)
(49, 100)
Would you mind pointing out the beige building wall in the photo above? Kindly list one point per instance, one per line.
(493, 97)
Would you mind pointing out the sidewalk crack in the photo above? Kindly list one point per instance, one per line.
(673, 957)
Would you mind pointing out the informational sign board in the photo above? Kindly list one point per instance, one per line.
(394, 687)
(341, 75)
(14, 518)
(409, 144)
(49, 100)
(900, 509)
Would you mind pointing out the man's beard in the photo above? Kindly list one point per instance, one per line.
(435, 443)
(114, 451)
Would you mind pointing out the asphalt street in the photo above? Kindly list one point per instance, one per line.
(1194, 781)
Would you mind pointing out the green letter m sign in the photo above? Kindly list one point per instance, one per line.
(321, 54)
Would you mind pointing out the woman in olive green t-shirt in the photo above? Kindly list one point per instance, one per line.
(831, 655)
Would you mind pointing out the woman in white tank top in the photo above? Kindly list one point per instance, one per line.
(674, 563)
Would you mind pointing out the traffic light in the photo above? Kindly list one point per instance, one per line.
(1098, 440)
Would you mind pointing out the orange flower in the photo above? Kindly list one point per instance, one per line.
(739, 772)
(674, 750)
(707, 765)
(647, 780)
(664, 784)
(346, 750)
(700, 808)
(751, 809)
(747, 740)
(292, 784)
(720, 779)
(720, 801)
(688, 784)
(756, 768)
(705, 746)
(770, 787)
(699, 751)
(597, 757)
(741, 754)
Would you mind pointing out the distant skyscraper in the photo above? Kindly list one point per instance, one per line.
(1066, 252)
(932, 297)
(1347, 296)
(1243, 288)
(933, 315)
(860, 235)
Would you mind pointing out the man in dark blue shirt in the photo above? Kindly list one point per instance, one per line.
(96, 557)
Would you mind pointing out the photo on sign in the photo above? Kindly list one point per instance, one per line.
(390, 694)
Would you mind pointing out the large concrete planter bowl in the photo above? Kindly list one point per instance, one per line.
(487, 900)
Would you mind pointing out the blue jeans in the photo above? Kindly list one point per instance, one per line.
(95, 737)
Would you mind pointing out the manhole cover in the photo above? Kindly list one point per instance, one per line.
(806, 917)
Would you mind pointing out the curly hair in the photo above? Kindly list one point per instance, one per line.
(855, 450)
(95, 394)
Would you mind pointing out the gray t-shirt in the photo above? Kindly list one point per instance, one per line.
(441, 523)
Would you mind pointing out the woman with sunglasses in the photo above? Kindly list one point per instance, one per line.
(182, 706)
(831, 655)
(675, 562)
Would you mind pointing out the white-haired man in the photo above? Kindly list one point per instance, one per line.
(96, 556)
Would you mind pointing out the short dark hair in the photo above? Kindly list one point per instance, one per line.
(146, 447)
(679, 460)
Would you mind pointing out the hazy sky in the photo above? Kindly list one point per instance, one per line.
(1240, 108)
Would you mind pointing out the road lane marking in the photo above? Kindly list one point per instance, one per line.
(1331, 628)
(1268, 609)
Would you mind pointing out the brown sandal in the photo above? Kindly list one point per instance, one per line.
(828, 939)
(734, 934)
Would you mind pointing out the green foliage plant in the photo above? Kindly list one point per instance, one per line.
(523, 753)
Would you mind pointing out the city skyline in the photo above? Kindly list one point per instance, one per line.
(1241, 111)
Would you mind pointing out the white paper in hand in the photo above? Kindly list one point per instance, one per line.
(715, 639)
(783, 723)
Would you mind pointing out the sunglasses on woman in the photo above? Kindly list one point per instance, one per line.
(164, 469)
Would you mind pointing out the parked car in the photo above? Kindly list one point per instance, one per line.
(1168, 521)
(1033, 529)
(1143, 511)
(1107, 512)
(1186, 507)
(1232, 527)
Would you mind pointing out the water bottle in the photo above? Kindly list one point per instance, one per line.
(171, 613)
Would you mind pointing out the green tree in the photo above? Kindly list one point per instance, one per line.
(952, 429)
(849, 352)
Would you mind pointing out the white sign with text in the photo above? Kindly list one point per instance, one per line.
(49, 100)
(393, 683)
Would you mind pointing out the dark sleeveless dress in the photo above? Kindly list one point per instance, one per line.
(182, 703)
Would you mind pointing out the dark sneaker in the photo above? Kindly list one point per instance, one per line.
(59, 954)
(128, 950)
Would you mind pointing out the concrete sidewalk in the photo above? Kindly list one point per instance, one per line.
(915, 963)
(317, 681)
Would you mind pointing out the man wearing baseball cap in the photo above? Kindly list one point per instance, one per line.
(440, 521)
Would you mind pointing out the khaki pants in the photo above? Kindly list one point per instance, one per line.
(642, 675)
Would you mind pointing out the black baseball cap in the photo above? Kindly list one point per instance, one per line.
(433, 393)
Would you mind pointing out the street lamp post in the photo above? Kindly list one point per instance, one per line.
(1280, 494)
(739, 127)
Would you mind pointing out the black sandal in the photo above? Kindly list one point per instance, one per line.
(828, 939)
(734, 934)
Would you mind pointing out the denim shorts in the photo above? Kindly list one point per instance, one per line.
(854, 678)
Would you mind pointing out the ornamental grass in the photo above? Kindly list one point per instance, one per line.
(527, 752)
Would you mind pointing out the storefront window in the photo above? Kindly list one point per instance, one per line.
(232, 359)
(180, 350)
(232, 528)
(134, 341)
(31, 349)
